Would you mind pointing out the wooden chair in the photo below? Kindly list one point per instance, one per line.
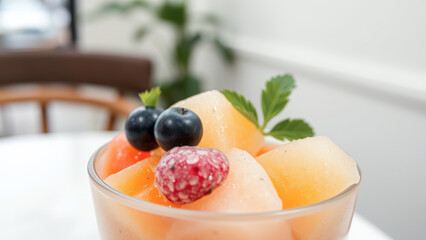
(59, 73)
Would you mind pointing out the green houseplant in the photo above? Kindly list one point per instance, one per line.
(177, 15)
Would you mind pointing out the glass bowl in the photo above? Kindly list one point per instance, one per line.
(120, 216)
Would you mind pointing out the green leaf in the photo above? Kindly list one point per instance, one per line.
(275, 96)
(150, 98)
(114, 7)
(291, 130)
(193, 39)
(109, 8)
(140, 33)
(244, 106)
(173, 12)
(139, 4)
(180, 89)
(185, 47)
(226, 52)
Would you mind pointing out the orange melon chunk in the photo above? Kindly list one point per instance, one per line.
(121, 155)
(246, 189)
(138, 181)
(266, 147)
(223, 126)
(309, 170)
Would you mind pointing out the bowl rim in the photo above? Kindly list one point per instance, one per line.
(165, 211)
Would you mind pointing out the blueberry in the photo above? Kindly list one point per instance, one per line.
(140, 128)
(178, 127)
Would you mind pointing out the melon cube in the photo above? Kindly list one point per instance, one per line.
(229, 230)
(266, 147)
(120, 155)
(309, 170)
(246, 189)
(223, 126)
(137, 181)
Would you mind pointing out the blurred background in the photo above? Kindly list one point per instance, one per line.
(29, 24)
(359, 68)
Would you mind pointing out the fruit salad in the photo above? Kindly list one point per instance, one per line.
(202, 169)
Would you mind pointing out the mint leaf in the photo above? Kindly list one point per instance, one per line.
(274, 99)
(275, 96)
(150, 98)
(243, 106)
(291, 130)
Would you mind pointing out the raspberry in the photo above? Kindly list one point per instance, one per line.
(185, 174)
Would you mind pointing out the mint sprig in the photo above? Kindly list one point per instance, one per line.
(274, 99)
(291, 130)
(243, 105)
(150, 97)
(275, 96)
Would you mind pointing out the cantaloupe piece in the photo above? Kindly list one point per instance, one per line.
(266, 147)
(120, 155)
(328, 224)
(246, 189)
(223, 126)
(309, 170)
(138, 181)
(229, 230)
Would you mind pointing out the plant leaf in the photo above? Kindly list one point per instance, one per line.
(275, 96)
(184, 48)
(139, 4)
(194, 39)
(179, 89)
(114, 7)
(226, 52)
(109, 8)
(140, 33)
(291, 130)
(173, 12)
(150, 98)
(243, 105)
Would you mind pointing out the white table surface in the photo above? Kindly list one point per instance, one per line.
(44, 188)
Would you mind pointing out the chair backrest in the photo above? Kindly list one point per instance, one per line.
(73, 68)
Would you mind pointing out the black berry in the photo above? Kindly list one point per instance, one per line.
(140, 128)
(177, 127)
